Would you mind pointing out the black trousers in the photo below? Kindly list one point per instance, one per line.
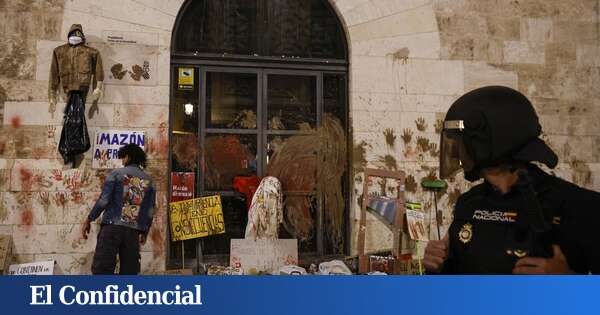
(113, 240)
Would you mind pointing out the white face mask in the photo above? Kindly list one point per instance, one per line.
(75, 40)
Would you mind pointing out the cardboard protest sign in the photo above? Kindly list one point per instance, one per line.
(195, 218)
(263, 255)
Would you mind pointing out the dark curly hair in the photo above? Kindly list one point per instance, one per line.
(136, 155)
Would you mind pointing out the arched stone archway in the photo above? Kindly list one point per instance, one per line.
(394, 50)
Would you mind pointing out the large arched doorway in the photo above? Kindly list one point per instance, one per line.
(259, 87)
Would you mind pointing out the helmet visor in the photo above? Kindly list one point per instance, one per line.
(453, 153)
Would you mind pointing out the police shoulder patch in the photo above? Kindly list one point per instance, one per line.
(466, 233)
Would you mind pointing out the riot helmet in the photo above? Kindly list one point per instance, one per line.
(488, 127)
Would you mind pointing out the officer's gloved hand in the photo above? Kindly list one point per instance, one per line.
(436, 253)
(544, 266)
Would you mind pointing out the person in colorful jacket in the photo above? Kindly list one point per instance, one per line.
(127, 202)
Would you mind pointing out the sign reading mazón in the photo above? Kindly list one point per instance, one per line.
(195, 218)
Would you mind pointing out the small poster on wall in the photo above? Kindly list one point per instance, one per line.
(182, 186)
(107, 144)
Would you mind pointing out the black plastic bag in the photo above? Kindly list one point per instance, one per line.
(74, 138)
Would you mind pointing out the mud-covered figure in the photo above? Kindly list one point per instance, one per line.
(75, 69)
(520, 220)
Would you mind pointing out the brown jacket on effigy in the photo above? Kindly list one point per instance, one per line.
(74, 66)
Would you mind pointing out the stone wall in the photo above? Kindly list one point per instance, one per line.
(410, 59)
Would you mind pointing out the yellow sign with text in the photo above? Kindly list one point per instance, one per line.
(195, 218)
(186, 78)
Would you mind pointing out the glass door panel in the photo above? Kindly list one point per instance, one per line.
(227, 156)
(231, 100)
(291, 102)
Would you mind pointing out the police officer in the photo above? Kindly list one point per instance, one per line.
(520, 219)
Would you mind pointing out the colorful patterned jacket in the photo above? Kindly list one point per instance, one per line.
(127, 199)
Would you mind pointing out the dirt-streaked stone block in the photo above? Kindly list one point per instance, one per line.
(524, 52)
(480, 75)
(419, 20)
(537, 30)
(424, 77)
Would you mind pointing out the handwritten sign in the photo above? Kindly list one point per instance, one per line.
(182, 186)
(263, 255)
(195, 218)
(35, 268)
(107, 144)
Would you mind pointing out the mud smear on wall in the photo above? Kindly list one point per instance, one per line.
(157, 242)
(407, 136)
(27, 216)
(25, 22)
(3, 98)
(388, 162)
(159, 146)
(421, 124)
(390, 137)
(439, 126)
(14, 62)
(117, 71)
(382, 186)
(15, 122)
(77, 198)
(138, 72)
(45, 201)
(3, 209)
(410, 184)
(423, 144)
(400, 55)
(26, 177)
(359, 155)
(61, 200)
(433, 150)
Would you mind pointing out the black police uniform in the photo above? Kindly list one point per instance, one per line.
(486, 236)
